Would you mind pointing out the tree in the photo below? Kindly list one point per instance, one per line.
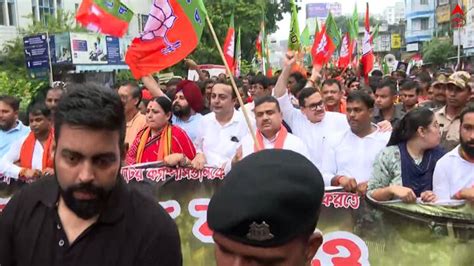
(438, 51)
(14, 78)
(248, 15)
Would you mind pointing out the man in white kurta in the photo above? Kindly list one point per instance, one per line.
(271, 133)
(349, 157)
(453, 177)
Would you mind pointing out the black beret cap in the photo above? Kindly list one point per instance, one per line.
(267, 199)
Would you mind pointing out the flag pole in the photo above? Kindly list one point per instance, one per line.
(232, 81)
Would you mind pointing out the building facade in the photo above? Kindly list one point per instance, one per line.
(420, 23)
(394, 14)
(16, 14)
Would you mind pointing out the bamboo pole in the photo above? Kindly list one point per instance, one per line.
(232, 81)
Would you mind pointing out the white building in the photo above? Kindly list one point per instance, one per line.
(394, 14)
(19, 13)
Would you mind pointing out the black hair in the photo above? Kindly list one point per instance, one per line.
(13, 102)
(424, 77)
(377, 73)
(227, 83)
(408, 126)
(93, 106)
(297, 76)
(330, 82)
(164, 102)
(40, 108)
(410, 85)
(388, 83)
(136, 91)
(260, 79)
(374, 83)
(351, 80)
(305, 93)
(173, 81)
(273, 81)
(467, 110)
(361, 96)
(267, 99)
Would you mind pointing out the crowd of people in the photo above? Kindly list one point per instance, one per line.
(399, 136)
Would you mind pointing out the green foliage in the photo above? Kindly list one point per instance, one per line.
(248, 16)
(14, 77)
(438, 51)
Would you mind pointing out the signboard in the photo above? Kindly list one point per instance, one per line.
(62, 49)
(113, 50)
(412, 47)
(356, 230)
(382, 43)
(214, 70)
(317, 10)
(443, 14)
(396, 41)
(36, 51)
(88, 48)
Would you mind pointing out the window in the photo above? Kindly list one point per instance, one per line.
(11, 12)
(45, 8)
(2, 12)
(443, 2)
(423, 2)
(424, 24)
(142, 22)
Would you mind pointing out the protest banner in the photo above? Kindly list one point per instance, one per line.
(356, 230)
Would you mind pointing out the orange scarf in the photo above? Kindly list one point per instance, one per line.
(279, 142)
(164, 147)
(28, 147)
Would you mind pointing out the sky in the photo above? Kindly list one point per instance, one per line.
(375, 7)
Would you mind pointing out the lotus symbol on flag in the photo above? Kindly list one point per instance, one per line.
(367, 46)
(322, 45)
(160, 20)
(344, 48)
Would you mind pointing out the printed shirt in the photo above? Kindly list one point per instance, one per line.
(387, 169)
(452, 173)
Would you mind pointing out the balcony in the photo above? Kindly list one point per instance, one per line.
(418, 35)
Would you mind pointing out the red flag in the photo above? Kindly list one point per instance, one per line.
(107, 17)
(367, 51)
(323, 48)
(258, 43)
(172, 32)
(229, 45)
(346, 52)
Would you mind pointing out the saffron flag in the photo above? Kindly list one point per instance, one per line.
(323, 48)
(172, 32)
(107, 17)
(294, 38)
(345, 54)
(229, 45)
(238, 56)
(367, 52)
(259, 42)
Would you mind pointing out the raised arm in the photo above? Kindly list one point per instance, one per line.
(282, 83)
(153, 86)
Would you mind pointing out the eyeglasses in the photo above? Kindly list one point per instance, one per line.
(316, 106)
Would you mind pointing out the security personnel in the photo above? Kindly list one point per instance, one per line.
(267, 210)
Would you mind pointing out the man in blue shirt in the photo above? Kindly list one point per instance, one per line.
(11, 128)
(187, 104)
